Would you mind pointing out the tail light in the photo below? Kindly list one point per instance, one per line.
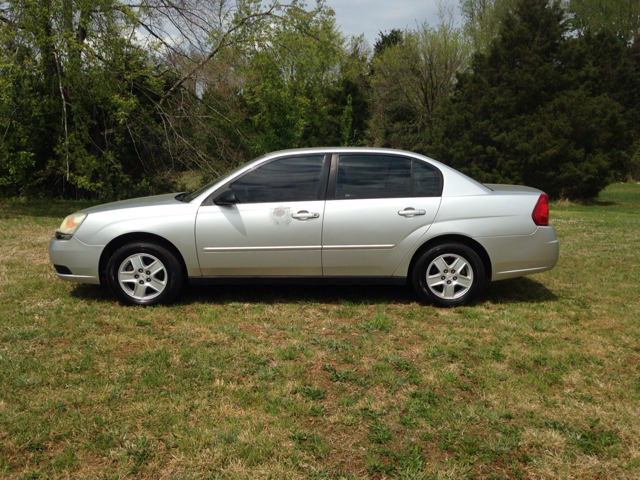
(540, 213)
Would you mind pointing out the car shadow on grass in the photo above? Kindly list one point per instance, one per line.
(518, 290)
(96, 293)
(300, 294)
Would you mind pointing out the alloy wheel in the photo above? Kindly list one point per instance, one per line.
(142, 276)
(449, 276)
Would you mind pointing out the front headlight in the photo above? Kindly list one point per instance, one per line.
(70, 225)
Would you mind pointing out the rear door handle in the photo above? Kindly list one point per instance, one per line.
(410, 212)
(303, 215)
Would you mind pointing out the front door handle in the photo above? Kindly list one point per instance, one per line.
(303, 215)
(410, 212)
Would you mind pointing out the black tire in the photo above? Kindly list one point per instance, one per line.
(144, 273)
(437, 279)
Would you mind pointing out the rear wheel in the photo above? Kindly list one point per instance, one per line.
(448, 275)
(144, 274)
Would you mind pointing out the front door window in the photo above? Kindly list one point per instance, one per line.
(294, 179)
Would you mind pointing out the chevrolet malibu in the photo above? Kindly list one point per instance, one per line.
(334, 215)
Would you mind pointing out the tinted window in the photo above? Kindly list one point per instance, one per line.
(373, 176)
(293, 179)
(426, 180)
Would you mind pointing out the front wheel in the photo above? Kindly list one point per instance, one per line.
(448, 275)
(144, 274)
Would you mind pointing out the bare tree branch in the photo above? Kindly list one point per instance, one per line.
(225, 41)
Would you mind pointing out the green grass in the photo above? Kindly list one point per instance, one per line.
(538, 379)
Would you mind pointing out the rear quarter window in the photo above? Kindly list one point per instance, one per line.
(427, 181)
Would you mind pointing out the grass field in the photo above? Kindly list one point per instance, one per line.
(539, 379)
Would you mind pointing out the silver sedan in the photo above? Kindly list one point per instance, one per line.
(322, 215)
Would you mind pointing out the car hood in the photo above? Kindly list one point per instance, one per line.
(166, 199)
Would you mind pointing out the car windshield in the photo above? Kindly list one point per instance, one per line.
(191, 195)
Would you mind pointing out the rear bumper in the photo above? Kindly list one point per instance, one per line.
(517, 256)
(80, 259)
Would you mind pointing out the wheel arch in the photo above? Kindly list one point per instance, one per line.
(132, 237)
(453, 238)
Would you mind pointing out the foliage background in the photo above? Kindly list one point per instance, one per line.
(109, 99)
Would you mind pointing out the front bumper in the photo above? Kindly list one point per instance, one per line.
(80, 259)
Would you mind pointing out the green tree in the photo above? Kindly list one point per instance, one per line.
(386, 40)
(410, 79)
(611, 30)
(528, 112)
(74, 99)
(351, 98)
(292, 70)
(95, 100)
(290, 80)
(620, 17)
(482, 20)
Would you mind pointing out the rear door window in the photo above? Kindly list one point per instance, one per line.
(373, 176)
(385, 176)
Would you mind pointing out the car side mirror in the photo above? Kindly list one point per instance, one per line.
(226, 198)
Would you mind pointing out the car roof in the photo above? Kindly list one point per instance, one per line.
(455, 182)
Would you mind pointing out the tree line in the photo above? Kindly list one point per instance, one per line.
(110, 99)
